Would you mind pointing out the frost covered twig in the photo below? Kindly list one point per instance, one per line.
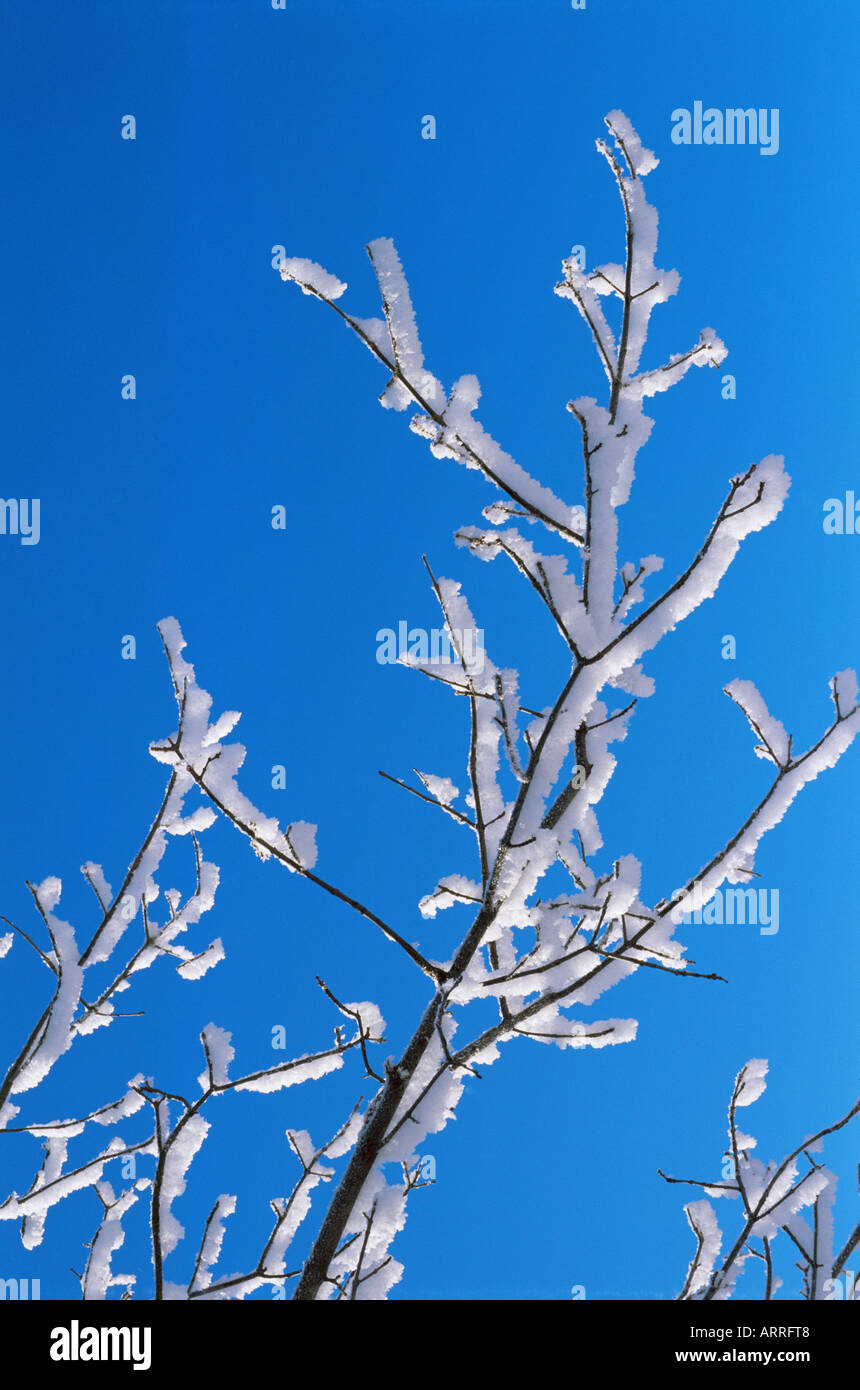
(173, 1143)
(197, 746)
(772, 1196)
(69, 1014)
(177, 1143)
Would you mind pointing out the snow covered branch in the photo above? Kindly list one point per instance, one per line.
(772, 1197)
(69, 1014)
(177, 1135)
(447, 421)
(198, 751)
(74, 1011)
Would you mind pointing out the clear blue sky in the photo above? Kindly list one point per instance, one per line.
(258, 127)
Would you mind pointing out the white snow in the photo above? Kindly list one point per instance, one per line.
(99, 1276)
(704, 1224)
(291, 1074)
(210, 1250)
(642, 161)
(442, 788)
(183, 1150)
(311, 278)
(219, 1052)
(774, 739)
(197, 966)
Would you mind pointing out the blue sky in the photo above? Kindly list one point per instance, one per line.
(257, 128)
